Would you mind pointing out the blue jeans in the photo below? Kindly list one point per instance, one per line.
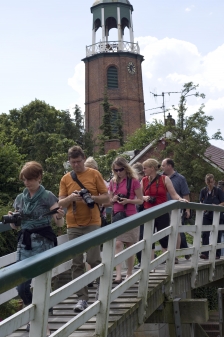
(24, 292)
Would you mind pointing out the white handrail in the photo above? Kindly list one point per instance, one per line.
(104, 271)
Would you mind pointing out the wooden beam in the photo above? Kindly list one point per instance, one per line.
(191, 311)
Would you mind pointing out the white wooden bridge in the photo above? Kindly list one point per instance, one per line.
(124, 310)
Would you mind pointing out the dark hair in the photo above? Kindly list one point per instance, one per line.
(75, 151)
(31, 170)
(170, 161)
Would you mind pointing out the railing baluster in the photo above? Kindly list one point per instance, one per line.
(213, 242)
(145, 266)
(105, 288)
(41, 294)
(196, 245)
(174, 222)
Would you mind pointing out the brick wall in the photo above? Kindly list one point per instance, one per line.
(128, 97)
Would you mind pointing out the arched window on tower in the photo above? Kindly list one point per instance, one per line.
(112, 78)
(113, 119)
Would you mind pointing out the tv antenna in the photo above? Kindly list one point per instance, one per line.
(163, 106)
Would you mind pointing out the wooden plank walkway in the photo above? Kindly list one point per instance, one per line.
(121, 308)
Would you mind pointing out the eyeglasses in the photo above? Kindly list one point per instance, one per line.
(119, 170)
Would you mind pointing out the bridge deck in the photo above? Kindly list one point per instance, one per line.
(126, 305)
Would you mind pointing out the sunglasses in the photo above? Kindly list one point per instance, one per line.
(119, 170)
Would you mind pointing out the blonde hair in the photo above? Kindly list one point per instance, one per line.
(208, 177)
(138, 167)
(122, 162)
(90, 162)
(152, 163)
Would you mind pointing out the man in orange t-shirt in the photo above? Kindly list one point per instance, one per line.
(82, 219)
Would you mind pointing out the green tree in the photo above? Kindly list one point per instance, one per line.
(119, 126)
(144, 135)
(190, 140)
(10, 164)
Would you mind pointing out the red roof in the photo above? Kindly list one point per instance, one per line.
(215, 155)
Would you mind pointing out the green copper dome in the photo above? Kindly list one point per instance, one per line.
(97, 2)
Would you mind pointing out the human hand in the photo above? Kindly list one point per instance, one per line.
(123, 201)
(60, 213)
(75, 196)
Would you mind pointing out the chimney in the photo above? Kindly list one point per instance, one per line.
(111, 144)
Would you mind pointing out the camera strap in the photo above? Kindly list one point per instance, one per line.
(74, 177)
(157, 183)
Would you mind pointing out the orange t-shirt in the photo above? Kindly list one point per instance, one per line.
(94, 183)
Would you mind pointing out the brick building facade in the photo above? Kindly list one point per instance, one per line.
(124, 81)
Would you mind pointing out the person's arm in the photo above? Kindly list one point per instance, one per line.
(137, 201)
(59, 216)
(66, 201)
(172, 191)
(103, 198)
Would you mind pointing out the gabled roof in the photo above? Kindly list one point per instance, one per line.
(215, 155)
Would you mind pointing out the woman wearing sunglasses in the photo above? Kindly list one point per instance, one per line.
(125, 193)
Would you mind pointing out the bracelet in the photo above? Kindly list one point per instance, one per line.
(58, 218)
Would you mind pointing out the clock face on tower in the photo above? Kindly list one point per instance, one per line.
(131, 68)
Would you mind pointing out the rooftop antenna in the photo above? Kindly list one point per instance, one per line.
(163, 106)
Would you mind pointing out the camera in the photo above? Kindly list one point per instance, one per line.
(15, 218)
(84, 193)
(152, 200)
(121, 196)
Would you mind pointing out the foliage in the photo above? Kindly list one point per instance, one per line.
(105, 127)
(9, 308)
(144, 135)
(10, 162)
(189, 141)
(119, 127)
(210, 293)
(105, 162)
(108, 124)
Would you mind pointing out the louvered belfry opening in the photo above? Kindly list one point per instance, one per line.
(112, 78)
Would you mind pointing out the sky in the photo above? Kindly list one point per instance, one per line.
(43, 42)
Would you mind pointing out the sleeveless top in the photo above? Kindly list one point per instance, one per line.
(157, 190)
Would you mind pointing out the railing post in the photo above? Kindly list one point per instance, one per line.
(41, 294)
(196, 245)
(145, 266)
(213, 242)
(105, 288)
(174, 223)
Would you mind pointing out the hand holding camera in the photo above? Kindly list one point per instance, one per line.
(85, 196)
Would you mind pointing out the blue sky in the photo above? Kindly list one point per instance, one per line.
(42, 44)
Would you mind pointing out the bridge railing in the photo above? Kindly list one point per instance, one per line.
(40, 268)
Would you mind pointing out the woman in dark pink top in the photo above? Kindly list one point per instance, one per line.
(118, 185)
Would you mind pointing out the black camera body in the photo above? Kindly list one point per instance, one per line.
(14, 218)
(86, 196)
(121, 196)
(152, 200)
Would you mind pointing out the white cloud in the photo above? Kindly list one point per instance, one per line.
(77, 82)
(188, 9)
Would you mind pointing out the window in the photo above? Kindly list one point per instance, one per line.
(112, 78)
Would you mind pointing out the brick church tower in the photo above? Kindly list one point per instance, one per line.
(115, 65)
